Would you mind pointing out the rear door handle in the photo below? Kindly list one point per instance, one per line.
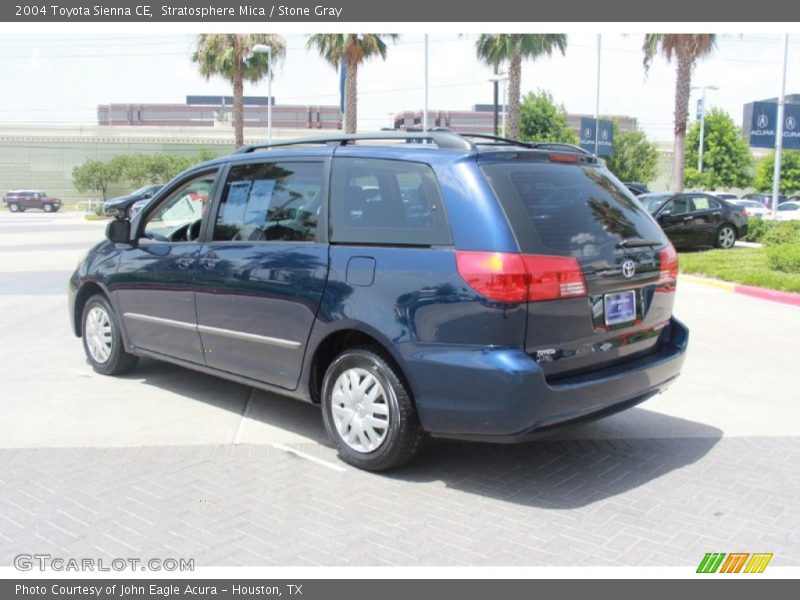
(185, 261)
(210, 261)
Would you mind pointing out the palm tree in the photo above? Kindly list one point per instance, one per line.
(495, 49)
(687, 49)
(352, 49)
(230, 56)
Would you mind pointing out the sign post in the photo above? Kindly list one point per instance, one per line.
(776, 173)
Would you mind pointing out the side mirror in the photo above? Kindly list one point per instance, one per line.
(665, 213)
(119, 231)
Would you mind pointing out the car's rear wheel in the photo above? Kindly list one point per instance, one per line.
(726, 236)
(13, 207)
(369, 412)
(47, 207)
(102, 340)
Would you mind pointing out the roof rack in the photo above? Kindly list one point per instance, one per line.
(494, 140)
(444, 140)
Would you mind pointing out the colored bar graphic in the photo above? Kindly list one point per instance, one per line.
(758, 562)
(734, 562)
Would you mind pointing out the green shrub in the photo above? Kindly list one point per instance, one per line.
(784, 258)
(756, 228)
(781, 233)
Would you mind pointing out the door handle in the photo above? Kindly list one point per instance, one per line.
(210, 261)
(185, 261)
(687, 218)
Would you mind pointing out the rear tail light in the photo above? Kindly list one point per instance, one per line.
(515, 278)
(566, 158)
(668, 259)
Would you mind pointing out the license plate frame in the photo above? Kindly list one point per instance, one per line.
(619, 307)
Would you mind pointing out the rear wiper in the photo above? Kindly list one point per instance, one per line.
(638, 243)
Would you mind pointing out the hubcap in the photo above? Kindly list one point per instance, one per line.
(360, 410)
(97, 332)
(726, 237)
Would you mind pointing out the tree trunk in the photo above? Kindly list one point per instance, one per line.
(514, 83)
(682, 91)
(238, 93)
(351, 97)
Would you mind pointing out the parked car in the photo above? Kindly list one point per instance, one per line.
(794, 198)
(696, 219)
(788, 211)
(726, 196)
(352, 275)
(22, 200)
(637, 189)
(120, 205)
(765, 199)
(753, 208)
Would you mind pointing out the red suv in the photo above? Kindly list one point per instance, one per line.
(21, 200)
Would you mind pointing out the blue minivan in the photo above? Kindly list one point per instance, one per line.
(412, 285)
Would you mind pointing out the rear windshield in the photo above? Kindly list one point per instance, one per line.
(568, 210)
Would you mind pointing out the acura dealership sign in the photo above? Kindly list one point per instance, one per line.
(764, 122)
(605, 136)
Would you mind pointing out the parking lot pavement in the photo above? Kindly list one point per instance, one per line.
(165, 461)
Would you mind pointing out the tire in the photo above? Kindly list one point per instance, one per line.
(13, 207)
(47, 207)
(725, 237)
(102, 339)
(373, 448)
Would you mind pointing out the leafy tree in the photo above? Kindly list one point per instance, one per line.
(231, 56)
(542, 120)
(687, 49)
(352, 49)
(635, 157)
(496, 49)
(726, 154)
(790, 172)
(95, 176)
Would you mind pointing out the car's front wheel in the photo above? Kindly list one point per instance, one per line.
(102, 340)
(369, 412)
(47, 207)
(726, 236)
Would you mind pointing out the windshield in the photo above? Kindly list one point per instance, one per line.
(145, 189)
(653, 202)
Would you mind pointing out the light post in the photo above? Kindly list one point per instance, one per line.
(503, 78)
(702, 122)
(264, 49)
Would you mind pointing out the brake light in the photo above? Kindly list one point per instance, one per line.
(567, 158)
(515, 278)
(668, 259)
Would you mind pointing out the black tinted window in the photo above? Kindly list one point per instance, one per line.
(270, 201)
(568, 210)
(386, 202)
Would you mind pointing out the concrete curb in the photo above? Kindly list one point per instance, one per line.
(746, 290)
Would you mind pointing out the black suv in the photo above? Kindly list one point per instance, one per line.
(22, 200)
(467, 287)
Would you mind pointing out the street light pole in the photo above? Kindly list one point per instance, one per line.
(501, 78)
(597, 100)
(702, 123)
(425, 109)
(263, 48)
(776, 172)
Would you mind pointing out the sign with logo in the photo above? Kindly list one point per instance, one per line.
(700, 110)
(764, 124)
(605, 136)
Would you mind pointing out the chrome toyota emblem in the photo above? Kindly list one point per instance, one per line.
(628, 268)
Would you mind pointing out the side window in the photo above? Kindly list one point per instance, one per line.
(177, 218)
(700, 203)
(376, 201)
(678, 206)
(274, 201)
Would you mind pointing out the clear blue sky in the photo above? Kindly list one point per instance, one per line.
(61, 77)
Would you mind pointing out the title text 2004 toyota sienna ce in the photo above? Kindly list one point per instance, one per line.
(411, 284)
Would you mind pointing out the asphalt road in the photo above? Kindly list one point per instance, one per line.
(710, 465)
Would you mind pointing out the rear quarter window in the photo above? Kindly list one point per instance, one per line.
(386, 202)
(567, 209)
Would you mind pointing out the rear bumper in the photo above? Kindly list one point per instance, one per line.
(501, 395)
